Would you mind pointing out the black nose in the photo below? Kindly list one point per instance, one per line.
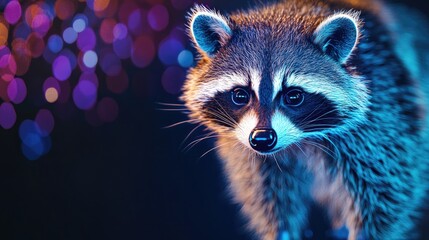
(263, 139)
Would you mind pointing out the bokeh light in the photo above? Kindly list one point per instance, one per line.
(7, 115)
(12, 12)
(4, 32)
(21, 30)
(123, 47)
(100, 5)
(69, 35)
(120, 31)
(158, 17)
(55, 43)
(22, 56)
(86, 40)
(85, 95)
(79, 23)
(137, 21)
(7, 64)
(17, 90)
(172, 79)
(65, 8)
(143, 51)
(51, 95)
(106, 30)
(82, 53)
(90, 59)
(185, 58)
(169, 50)
(34, 145)
(35, 44)
(61, 68)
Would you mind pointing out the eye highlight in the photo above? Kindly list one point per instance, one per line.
(293, 97)
(240, 96)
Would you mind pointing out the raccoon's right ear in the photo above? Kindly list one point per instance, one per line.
(209, 30)
(338, 35)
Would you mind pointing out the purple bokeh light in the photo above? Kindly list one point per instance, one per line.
(172, 79)
(89, 76)
(115, 35)
(120, 31)
(7, 115)
(51, 82)
(12, 12)
(86, 40)
(169, 50)
(17, 90)
(41, 24)
(61, 68)
(158, 17)
(137, 21)
(85, 95)
(122, 47)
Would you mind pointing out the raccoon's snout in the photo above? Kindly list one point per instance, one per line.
(263, 139)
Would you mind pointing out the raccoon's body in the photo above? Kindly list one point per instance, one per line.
(317, 101)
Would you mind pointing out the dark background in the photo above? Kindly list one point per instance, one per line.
(130, 179)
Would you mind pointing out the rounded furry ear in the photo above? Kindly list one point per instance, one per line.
(338, 35)
(209, 30)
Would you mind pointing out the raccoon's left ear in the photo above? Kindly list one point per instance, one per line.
(338, 35)
(209, 30)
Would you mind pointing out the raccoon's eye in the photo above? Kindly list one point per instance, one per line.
(240, 96)
(293, 97)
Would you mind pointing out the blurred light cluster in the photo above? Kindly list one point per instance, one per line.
(87, 46)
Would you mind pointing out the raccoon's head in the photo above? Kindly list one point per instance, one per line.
(270, 79)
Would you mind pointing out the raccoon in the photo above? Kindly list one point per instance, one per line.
(316, 101)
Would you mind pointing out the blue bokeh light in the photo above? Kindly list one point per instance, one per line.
(168, 51)
(80, 22)
(55, 43)
(185, 58)
(90, 59)
(69, 35)
(33, 144)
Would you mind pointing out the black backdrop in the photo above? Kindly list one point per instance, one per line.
(129, 179)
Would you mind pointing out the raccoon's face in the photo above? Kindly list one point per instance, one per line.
(271, 85)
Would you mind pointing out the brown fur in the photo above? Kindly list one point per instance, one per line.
(246, 185)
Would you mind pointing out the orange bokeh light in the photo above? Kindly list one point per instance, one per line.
(51, 95)
(101, 5)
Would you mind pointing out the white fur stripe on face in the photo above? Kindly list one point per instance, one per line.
(245, 126)
(319, 84)
(255, 79)
(278, 82)
(223, 83)
(227, 82)
(287, 132)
